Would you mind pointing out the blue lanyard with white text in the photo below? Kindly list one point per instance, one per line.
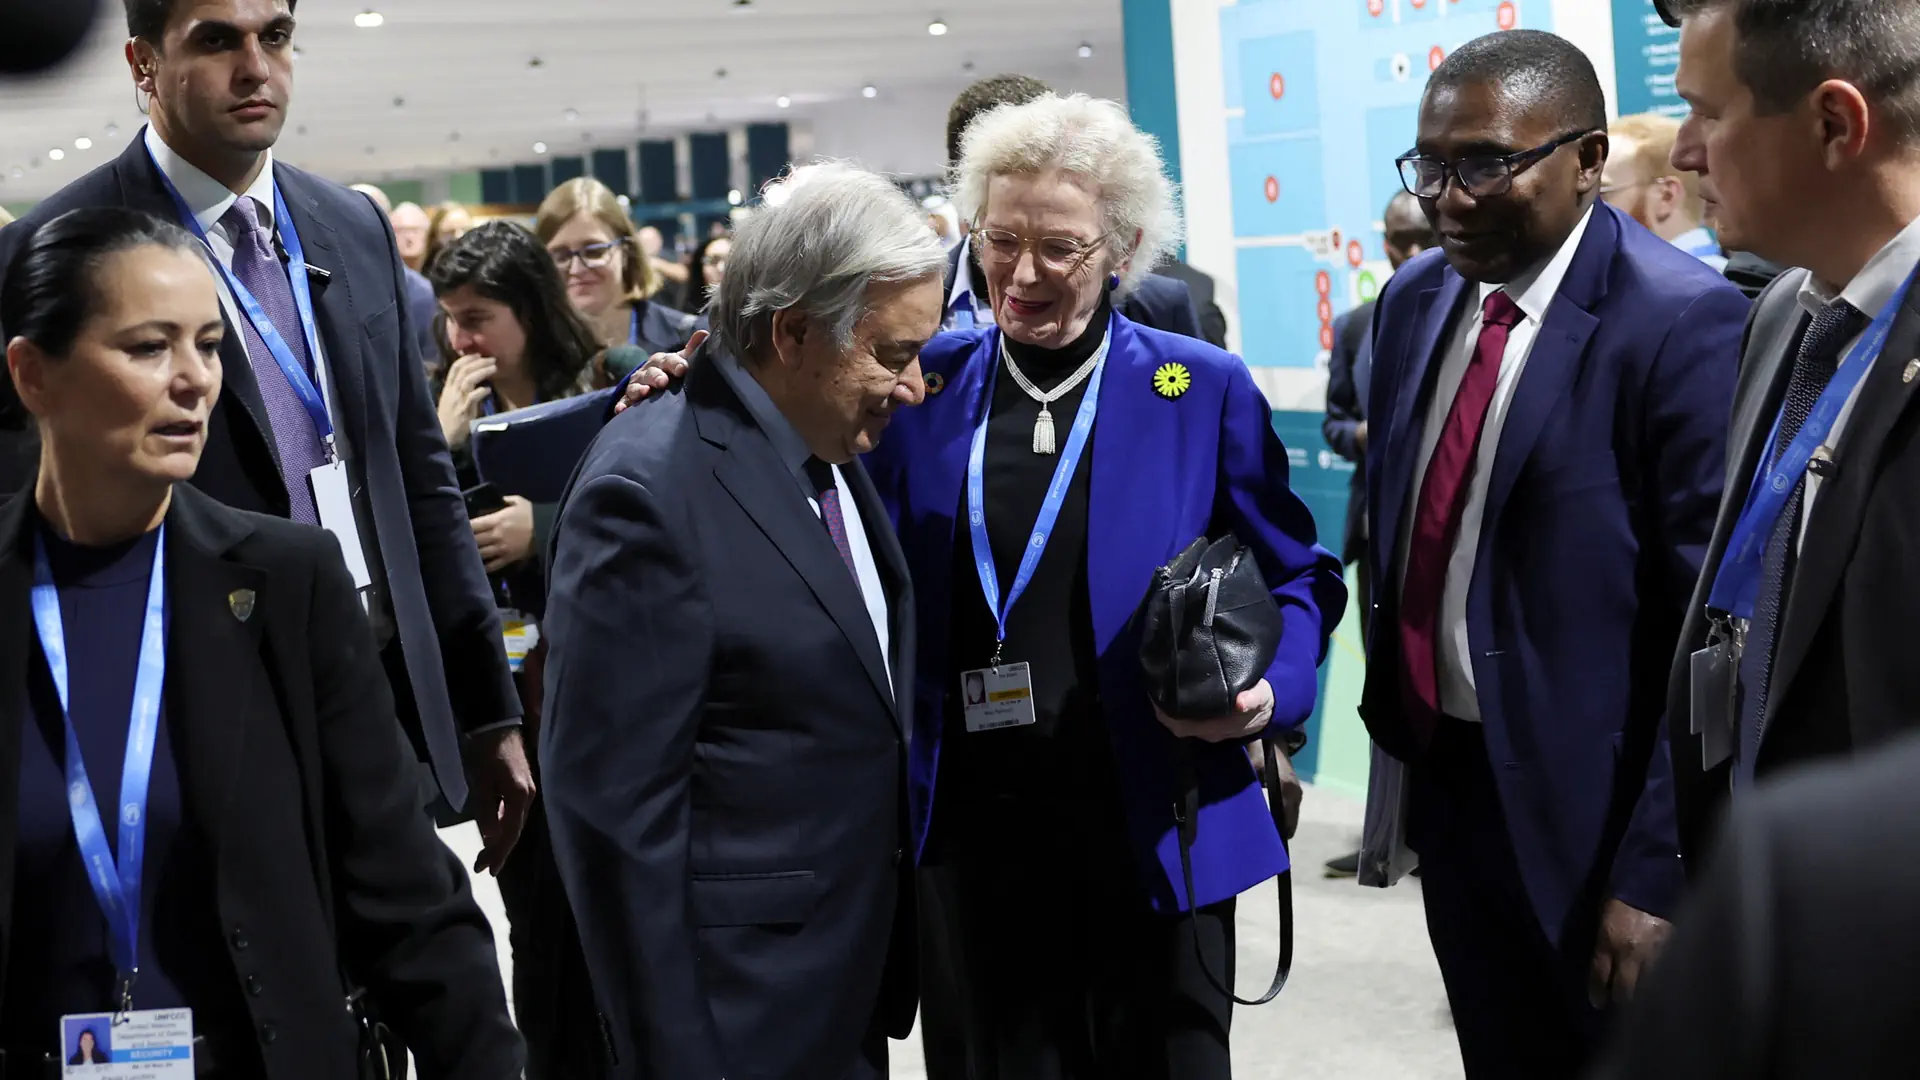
(116, 885)
(1049, 509)
(1737, 583)
(290, 365)
(633, 333)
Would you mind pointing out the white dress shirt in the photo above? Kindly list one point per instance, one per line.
(1533, 293)
(1870, 290)
(966, 295)
(793, 453)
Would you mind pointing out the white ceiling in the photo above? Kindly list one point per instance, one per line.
(626, 67)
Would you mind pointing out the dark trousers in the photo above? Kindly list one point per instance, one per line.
(1519, 1002)
(1044, 962)
(553, 1001)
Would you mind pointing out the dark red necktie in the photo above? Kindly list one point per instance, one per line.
(828, 495)
(1436, 518)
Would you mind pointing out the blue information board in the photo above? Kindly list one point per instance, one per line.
(1321, 96)
(1645, 53)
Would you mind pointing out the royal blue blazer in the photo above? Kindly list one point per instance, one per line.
(1165, 471)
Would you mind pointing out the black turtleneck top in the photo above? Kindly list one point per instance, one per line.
(991, 781)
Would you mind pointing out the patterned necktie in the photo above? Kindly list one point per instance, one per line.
(820, 474)
(1436, 520)
(258, 267)
(1813, 368)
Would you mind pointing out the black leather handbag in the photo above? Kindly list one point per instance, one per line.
(1208, 632)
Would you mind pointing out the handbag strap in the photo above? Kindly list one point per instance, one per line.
(1186, 813)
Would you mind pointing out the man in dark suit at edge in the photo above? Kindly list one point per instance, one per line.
(1805, 131)
(1162, 302)
(733, 846)
(1552, 389)
(219, 74)
(1349, 372)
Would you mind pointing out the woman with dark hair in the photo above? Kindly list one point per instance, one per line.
(87, 1050)
(207, 678)
(709, 266)
(515, 340)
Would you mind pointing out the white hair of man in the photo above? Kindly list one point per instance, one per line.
(822, 235)
(1091, 139)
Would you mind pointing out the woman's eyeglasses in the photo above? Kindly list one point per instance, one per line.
(1061, 254)
(593, 256)
(1482, 176)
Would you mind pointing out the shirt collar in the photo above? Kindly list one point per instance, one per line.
(1874, 286)
(208, 199)
(1533, 291)
(787, 443)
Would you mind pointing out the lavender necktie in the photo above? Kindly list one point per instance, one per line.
(258, 267)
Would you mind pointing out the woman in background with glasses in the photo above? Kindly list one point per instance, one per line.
(610, 279)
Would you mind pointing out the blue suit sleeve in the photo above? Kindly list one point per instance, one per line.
(1255, 502)
(1687, 411)
(617, 750)
(1344, 416)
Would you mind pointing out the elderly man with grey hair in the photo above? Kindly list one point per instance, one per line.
(730, 817)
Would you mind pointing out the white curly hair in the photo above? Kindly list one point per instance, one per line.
(1090, 138)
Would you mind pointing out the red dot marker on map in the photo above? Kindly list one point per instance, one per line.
(1325, 310)
(1336, 238)
(1277, 86)
(1434, 56)
(1419, 4)
(1376, 7)
(1326, 337)
(1322, 283)
(1273, 189)
(1356, 254)
(1508, 16)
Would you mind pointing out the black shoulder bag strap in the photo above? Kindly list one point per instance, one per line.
(1186, 815)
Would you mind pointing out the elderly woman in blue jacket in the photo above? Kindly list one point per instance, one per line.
(1063, 454)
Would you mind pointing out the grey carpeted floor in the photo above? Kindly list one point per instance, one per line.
(1365, 1001)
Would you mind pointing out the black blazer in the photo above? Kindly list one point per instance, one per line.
(1213, 321)
(456, 676)
(1794, 959)
(295, 777)
(663, 329)
(1160, 302)
(1346, 410)
(1843, 672)
(730, 824)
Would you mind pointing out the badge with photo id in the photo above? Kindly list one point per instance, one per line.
(150, 1044)
(997, 697)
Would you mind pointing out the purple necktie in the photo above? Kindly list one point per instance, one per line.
(258, 267)
(828, 493)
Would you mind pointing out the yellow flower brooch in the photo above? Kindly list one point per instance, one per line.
(1172, 380)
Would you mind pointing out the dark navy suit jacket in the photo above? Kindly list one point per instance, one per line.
(1164, 472)
(456, 676)
(731, 825)
(1603, 496)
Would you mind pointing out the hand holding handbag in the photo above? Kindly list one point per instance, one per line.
(1209, 629)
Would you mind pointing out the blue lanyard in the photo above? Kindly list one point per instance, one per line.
(1049, 509)
(633, 333)
(116, 885)
(1737, 583)
(290, 366)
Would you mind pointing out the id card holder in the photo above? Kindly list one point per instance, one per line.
(997, 697)
(522, 633)
(150, 1044)
(335, 504)
(1715, 683)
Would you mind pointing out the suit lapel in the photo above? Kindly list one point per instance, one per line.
(1834, 526)
(333, 306)
(1559, 350)
(761, 483)
(16, 583)
(213, 653)
(1432, 329)
(894, 578)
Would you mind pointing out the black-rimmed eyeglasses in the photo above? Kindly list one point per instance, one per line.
(1482, 176)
